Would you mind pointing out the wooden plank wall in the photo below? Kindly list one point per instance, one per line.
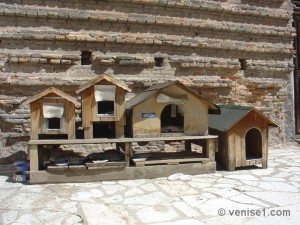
(195, 114)
(87, 100)
(237, 138)
(70, 119)
(35, 119)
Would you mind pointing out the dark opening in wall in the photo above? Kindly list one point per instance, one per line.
(106, 108)
(243, 64)
(172, 119)
(253, 144)
(104, 130)
(53, 124)
(52, 136)
(159, 61)
(86, 57)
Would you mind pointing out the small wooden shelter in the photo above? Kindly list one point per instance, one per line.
(103, 107)
(52, 114)
(167, 109)
(243, 136)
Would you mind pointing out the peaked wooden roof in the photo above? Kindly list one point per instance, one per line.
(231, 115)
(100, 78)
(139, 98)
(49, 91)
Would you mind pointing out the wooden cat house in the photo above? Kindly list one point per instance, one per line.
(167, 109)
(243, 136)
(52, 115)
(103, 107)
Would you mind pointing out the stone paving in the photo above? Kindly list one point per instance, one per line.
(256, 196)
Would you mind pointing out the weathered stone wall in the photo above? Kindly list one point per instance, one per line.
(232, 51)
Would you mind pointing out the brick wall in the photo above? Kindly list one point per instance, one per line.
(231, 51)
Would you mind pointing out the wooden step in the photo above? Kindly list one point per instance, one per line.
(141, 162)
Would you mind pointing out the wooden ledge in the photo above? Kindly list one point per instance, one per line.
(138, 162)
(117, 140)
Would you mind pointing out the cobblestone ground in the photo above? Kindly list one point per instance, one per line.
(256, 196)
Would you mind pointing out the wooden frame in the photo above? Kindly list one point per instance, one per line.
(232, 137)
(195, 110)
(124, 169)
(37, 120)
(296, 68)
(121, 170)
(89, 105)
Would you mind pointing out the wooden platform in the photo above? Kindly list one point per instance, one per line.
(127, 173)
(159, 166)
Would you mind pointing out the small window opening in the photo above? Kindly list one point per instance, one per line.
(86, 57)
(159, 61)
(106, 108)
(53, 123)
(243, 63)
(196, 34)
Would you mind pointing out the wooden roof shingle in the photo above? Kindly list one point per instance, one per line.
(141, 97)
(231, 115)
(100, 78)
(49, 91)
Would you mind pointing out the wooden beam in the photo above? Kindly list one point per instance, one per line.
(175, 161)
(265, 147)
(211, 149)
(87, 107)
(49, 91)
(34, 158)
(118, 140)
(126, 173)
(128, 149)
(70, 120)
(119, 129)
(35, 117)
(100, 78)
(88, 133)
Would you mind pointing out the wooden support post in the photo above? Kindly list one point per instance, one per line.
(34, 158)
(35, 120)
(119, 128)
(70, 119)
(88, 132)
(265, 163)
(230, 159)
(88, 107)
(128, 150)
(265, 147)
(210, 149)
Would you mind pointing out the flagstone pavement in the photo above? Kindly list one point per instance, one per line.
(252, 196)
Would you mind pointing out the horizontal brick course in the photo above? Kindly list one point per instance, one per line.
(239, 54)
